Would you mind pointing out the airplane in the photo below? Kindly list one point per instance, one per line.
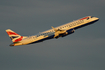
(60, 31)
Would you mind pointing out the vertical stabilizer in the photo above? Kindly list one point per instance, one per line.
(14, 36)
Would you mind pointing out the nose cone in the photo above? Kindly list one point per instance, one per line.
(96, 18)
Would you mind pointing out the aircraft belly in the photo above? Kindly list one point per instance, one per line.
(41, 40)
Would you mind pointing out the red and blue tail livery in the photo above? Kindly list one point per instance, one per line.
(60, 31)
(14, 36)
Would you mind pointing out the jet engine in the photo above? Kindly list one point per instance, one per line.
(61, 33)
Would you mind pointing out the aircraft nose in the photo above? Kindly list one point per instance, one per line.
(97, 18)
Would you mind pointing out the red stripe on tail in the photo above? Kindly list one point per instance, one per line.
(12, 33)
(19, 39)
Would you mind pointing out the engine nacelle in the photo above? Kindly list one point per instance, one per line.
(71, 31)
(68, 32)
(61, 33)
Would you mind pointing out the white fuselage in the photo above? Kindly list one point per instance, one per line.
(62, 30)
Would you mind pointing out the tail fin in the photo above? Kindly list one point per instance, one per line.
(14, 36)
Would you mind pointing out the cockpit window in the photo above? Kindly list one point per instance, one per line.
(91, 16)
(87, 18)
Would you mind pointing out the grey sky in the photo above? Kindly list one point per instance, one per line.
(83, 50)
